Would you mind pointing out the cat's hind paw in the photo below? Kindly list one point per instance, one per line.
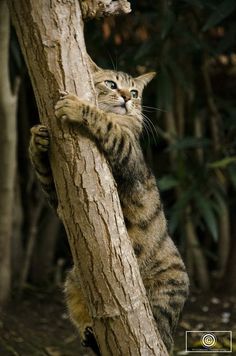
(90, 341)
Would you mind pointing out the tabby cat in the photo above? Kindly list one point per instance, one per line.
(116, 126)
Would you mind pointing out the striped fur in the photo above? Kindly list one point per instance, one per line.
(116, 126)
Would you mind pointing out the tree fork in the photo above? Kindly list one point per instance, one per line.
(51, 38)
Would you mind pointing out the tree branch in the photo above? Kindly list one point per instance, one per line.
(100, 8)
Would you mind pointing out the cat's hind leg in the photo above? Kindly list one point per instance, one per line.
(167, 286)
(79, 312)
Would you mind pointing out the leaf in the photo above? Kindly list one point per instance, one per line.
(219, 201)
(206, 212)
(189, 142)
(167, 182)
(223, 162)
(221, 12)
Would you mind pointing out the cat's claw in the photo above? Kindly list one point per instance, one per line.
(90, 341)
(40, 138)
(63, 93)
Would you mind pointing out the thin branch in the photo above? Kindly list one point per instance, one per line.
(97, 8)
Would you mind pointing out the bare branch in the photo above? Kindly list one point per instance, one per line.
(98, 8)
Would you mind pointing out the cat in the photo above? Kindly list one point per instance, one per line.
(116, 126)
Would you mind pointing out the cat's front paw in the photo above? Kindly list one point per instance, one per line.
(70, 107)
(90, 341)
(39, 138)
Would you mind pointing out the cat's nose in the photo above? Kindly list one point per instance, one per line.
(125, 95)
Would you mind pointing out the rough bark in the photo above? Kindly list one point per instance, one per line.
(51, 38)
(8, 103)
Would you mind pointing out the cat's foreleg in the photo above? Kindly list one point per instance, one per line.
(114, 136)
(38, 152)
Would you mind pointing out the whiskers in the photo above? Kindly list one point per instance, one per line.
(152, 108)
(148, 126)
(148, 122)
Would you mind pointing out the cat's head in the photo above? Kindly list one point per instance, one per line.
(118, 92)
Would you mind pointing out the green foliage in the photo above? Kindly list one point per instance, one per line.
(222, 163)
(167, 182)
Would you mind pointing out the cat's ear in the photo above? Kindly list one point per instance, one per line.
(93, 66)
(144, 79)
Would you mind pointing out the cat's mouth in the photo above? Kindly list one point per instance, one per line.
(120, 109)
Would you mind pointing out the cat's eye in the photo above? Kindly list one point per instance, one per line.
(134, 93)
(110, 84)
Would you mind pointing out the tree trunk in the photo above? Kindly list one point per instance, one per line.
(8, 103)
(51, 37)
